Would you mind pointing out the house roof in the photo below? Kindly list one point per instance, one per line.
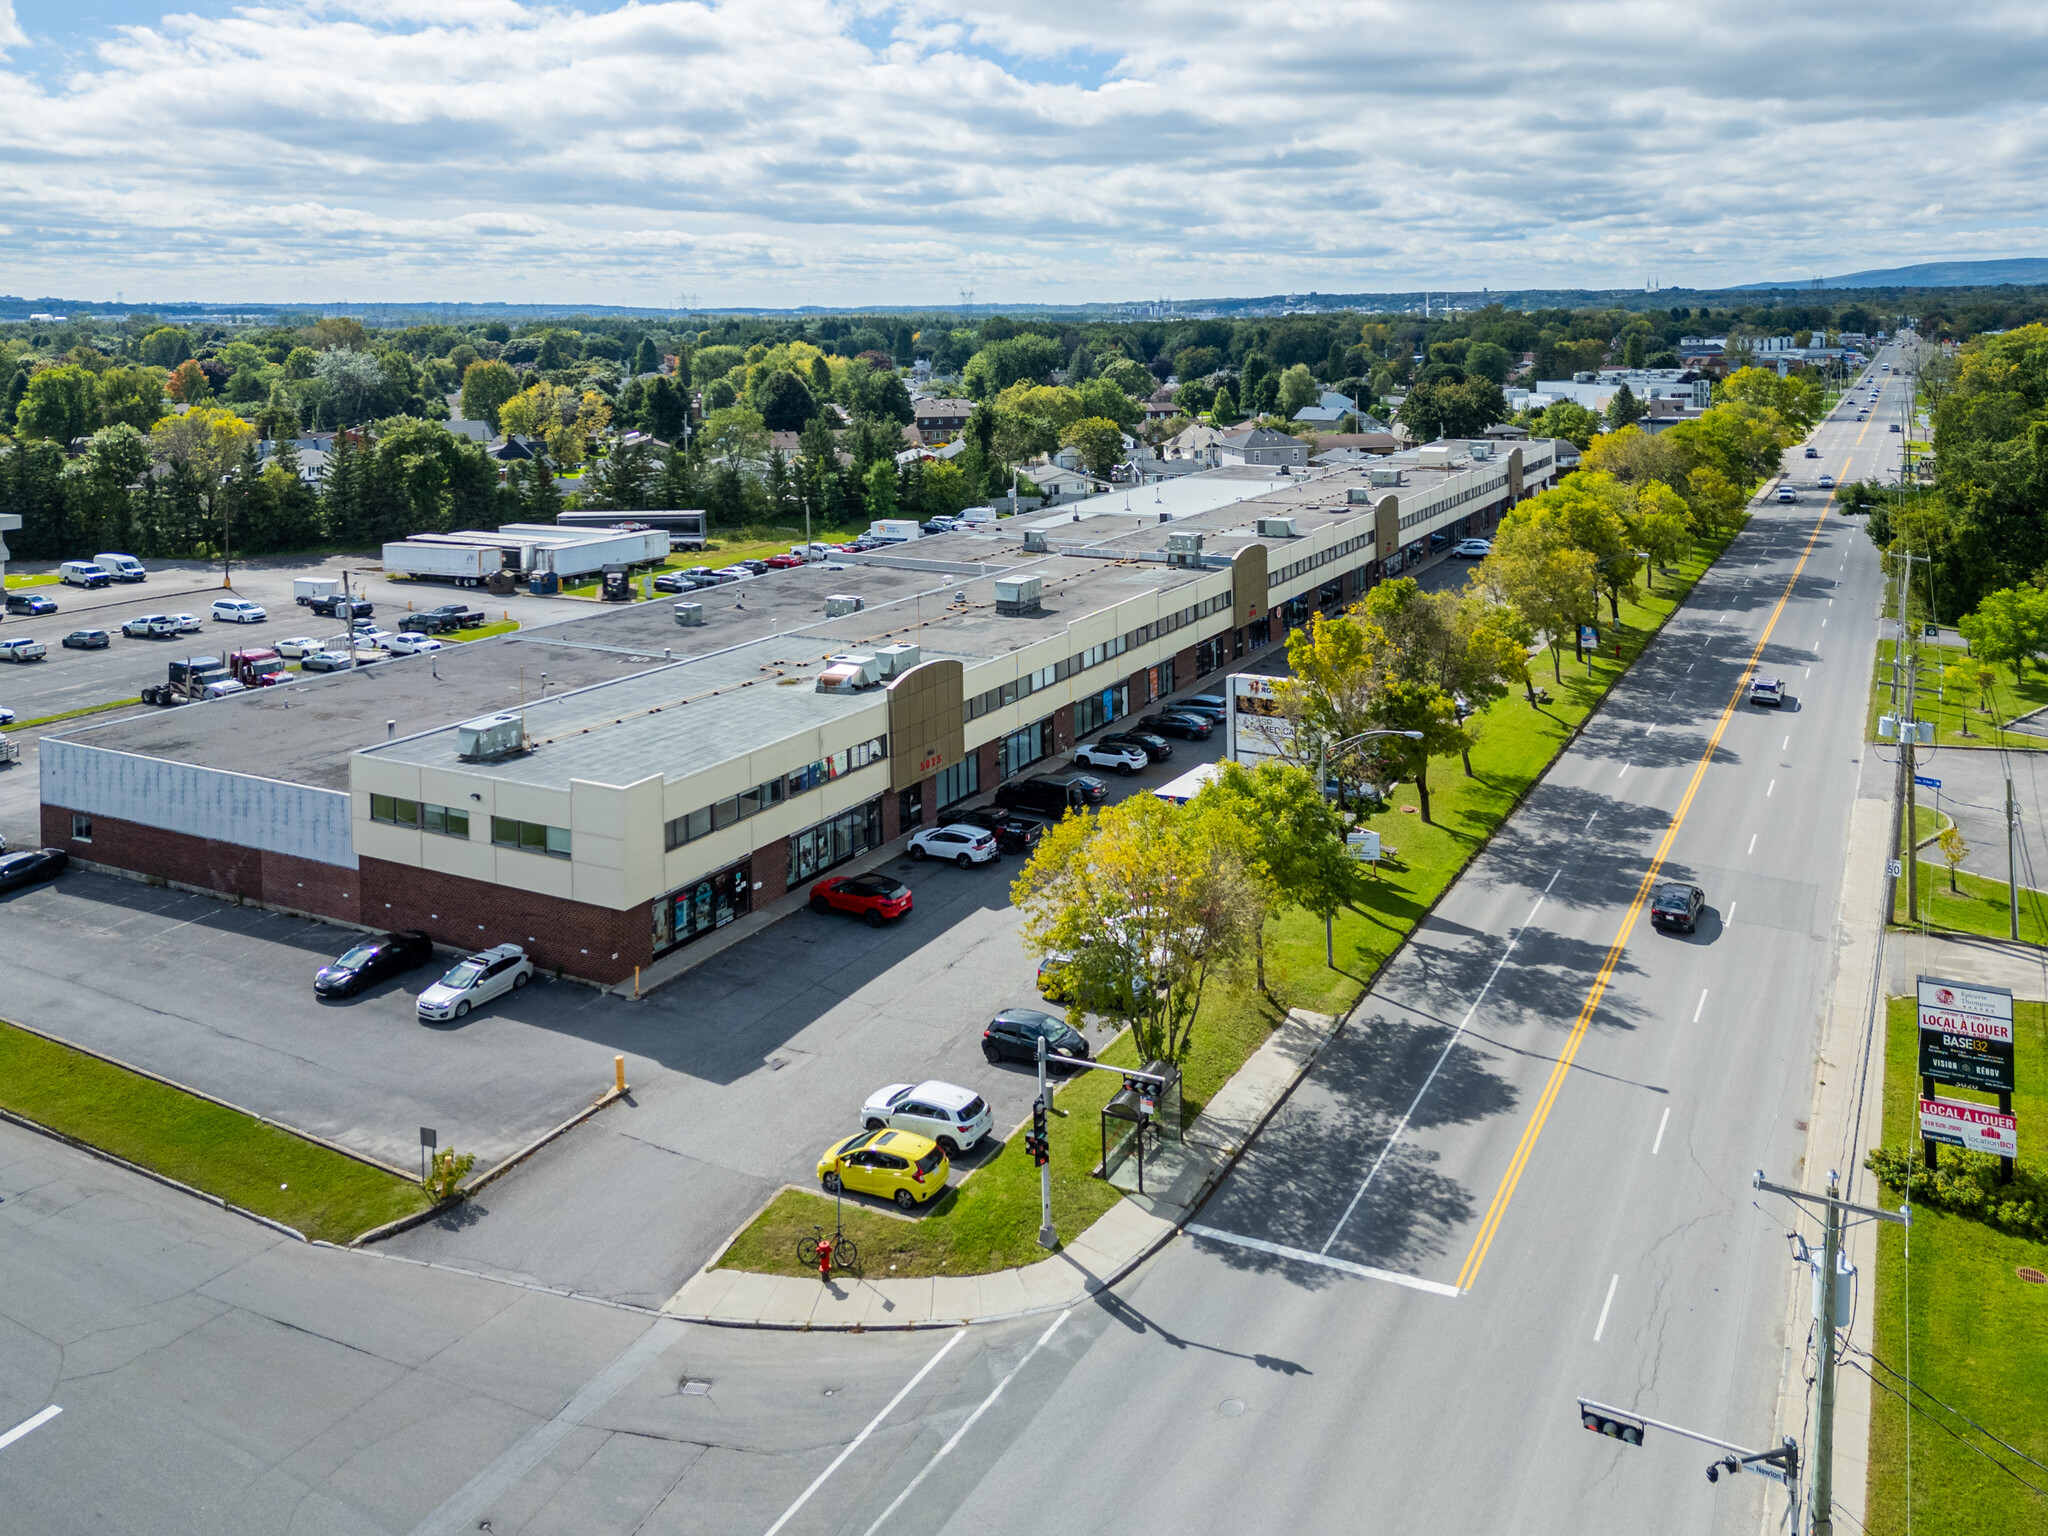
(1258, 437)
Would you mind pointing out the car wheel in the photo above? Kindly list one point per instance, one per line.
(950, 1147)
(461, 1009)
(906, 1200)
(989, 1052)
(872, 1123)
(831, 1183)
(917, 852)
(965, 861)
(1125, 769)
(820, 904)
(521, 980)
(874, 918)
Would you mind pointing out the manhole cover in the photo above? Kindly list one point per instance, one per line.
(1230, 1408)
(691, 1388)
(2031, 1276)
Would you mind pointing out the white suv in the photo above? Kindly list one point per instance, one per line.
(477, 979)
(233, 610)
(964, 845)
(956, 1118)
(1125, 760)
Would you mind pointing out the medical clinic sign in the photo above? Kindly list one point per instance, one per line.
(1966, 1035)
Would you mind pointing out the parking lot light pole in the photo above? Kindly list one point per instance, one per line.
(1047, 1237)
(1323, 752)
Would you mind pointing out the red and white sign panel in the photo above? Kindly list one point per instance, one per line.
(1969, 1126)
(1951, 1008)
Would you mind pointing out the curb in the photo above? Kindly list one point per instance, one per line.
(420, 1218)
(170, 1082)
(149, 1173)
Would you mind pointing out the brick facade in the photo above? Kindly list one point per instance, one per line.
(595, 943)
(237, 872)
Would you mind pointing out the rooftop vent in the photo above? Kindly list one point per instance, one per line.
(1017, 594)
(840, 606)
(895, 660)
(1278, 528)
(1183, 549)
(690, 615)
(1384, 476)
(1481, 450)
(1435, 456)
(1034, 541)
(489, 738)
(849, 674)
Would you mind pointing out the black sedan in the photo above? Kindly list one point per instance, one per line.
(371, 961)
(1187, 727)
(32, 603)
(31, 866)
(1015, 833)
(1013, 1035)
(1678, 906)
(1158, 748)
(87, 640)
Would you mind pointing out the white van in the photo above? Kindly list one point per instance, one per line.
(121, 567)
(83, 573)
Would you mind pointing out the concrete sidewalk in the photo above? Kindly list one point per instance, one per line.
(2022, 968)
(1179, 1179)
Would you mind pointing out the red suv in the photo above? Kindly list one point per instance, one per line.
(874, 896)
(783, 562)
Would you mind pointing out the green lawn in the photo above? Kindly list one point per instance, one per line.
(73, 714)
(47, 579)
(1960, 717)
(1977, 905)
(483, 631)
(992, 1221)
(1978, 1335)
(195, 1141)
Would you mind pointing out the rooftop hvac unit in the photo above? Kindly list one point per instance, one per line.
(1034, 541)
(1278, 528)
(1017, 594)
(1383, 477)
(1435, 456)
(895, 660)
(490, 737)
(848, 674)
(690, 615)
(839, 607)
(1183, 549)
(1482, 449)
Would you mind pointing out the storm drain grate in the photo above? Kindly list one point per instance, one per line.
(691, 1388)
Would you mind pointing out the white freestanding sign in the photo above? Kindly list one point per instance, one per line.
(1256, 729)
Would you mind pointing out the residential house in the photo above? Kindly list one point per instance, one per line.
(1351, 447)
(475, 431)
(1057, 483)
(1159, 405)
(940, 420)
(1261, 445)
(1328, 411)
(1195, 443)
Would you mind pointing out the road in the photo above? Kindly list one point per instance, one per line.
(1522, 1173)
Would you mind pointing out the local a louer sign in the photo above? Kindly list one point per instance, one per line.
(1966, 1035)
(1969, 1126)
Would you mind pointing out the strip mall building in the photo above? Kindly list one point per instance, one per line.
(606, 789)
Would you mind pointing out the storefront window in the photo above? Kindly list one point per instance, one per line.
(835, 840)
(956, 783)
(1095, 710)
(703, 906)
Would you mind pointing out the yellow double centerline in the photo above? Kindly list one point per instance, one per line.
(1494, 1212)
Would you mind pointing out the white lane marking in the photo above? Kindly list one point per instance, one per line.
(1699, 1006)
(1670, 696)
(1601, 1327)
(1771, 786)
(1752, 842)
(1831, 602)
(1657, 1145)
(1589, 827)
(1363, 1271)
(958, 1434)
(1626, 766)
(1650, 727)
(1823, 623)
(1688, 670)
(462, 1508)
(1553, 881)
(1809, 672)
(1731, 912)
(872, 1425)
(1788, 745)
(1449, 1046)
(35, 1421)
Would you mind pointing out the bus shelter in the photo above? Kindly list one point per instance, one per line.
(1145, 1110)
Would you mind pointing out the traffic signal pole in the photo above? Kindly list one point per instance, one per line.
(1047, 1237)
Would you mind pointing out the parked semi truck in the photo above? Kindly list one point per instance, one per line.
(467, 565)
(189, 679)
(258, 668)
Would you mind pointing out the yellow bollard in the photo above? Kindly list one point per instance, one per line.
(619, 1073)
(636, 983)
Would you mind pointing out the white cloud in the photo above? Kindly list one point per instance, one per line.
(814, 151)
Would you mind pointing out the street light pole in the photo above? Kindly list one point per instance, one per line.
(1323, 751)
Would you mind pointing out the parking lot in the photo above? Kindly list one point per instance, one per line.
(70, 680)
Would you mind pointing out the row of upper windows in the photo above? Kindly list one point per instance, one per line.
(772, 792)
(1022, 687)
(1307, 563)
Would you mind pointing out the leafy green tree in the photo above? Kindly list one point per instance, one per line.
(1418, 706)
(786, 402)
(301, 363)
(278, 419)
(880, 488)
(667, 410)
(1224, 408)
(1298, 390)
(2009, 628)
(61, 404)
(1099, 442)
(1132, 377)
(486, 386)
(646, 356)
(1289, 840)
(623, 478)
(134, 396)
(736, 439)
(167, 347)
(10, 400)
(1488, 360)
(1624, 409)
(1002, 363)
(1535, 570)
(719, 395)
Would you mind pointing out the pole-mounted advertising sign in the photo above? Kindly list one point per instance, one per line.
(1966, 1035)
(1973, 1127)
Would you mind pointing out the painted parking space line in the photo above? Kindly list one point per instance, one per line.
(1303, 1256)
(33, 1422)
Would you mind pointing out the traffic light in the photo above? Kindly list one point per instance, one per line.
(1036, 1142)
(1606, 1421)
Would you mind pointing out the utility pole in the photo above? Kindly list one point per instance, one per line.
(1827, 1309)
(1047, 1237)
(2012, 874)
(1908, 732)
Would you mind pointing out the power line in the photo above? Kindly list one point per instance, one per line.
(1895, 1392)
(1948, 1408)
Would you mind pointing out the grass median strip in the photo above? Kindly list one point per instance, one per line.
(991, 1221)
(215, 1149)
(1977, 905)
(1963, 714)
(74, 714)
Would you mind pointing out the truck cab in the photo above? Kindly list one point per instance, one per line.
(258, 669)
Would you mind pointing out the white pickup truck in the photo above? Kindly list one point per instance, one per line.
(23, 649)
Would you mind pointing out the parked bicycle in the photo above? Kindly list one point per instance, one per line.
(826, 1254)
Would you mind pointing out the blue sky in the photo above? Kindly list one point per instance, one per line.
(783, 152)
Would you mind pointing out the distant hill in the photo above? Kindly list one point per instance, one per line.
(1930, 274)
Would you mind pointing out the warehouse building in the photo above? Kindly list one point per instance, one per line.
(608, 789)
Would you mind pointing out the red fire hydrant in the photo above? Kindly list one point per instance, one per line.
(825, 1259)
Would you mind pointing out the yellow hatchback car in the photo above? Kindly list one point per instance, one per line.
(897, 1165)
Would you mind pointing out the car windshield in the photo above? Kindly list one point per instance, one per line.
(357, 958)
(898, 1098)
(872, 885)
(464, 975)
(930, 1160)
